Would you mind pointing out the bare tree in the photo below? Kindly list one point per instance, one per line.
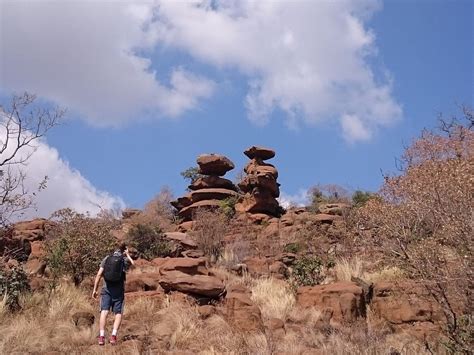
(22, 124)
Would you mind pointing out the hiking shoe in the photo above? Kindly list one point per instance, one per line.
(101, 340)
(113, 339)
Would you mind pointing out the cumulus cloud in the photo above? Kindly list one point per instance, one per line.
(298, 199)
(66, 187)
(309, 59)
(85, 56)
(312, 60)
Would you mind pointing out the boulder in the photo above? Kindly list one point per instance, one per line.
(37, 250)
(142, 282)
(207, 182)
(200, 285)
(214, 164)
(266, 182)
(242, 313)
(190, 266)
(255, 167)
(333, 208)
(404, 302)
(212, 194)
(325, 218)
(259, 152)
(181, 202)
(182, 239)
(258, 202)
(346, 300)
(130, 212)
(187, 212)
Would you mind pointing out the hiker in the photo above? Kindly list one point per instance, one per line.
(112, 268)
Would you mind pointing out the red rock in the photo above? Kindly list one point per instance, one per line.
(186, 226)
(345, 299)
(214, 164)
(190, 266)
(259, 202)
(242, 313)
(35, 224)
(203, 285)
(181, 202)
(266, 182)
(142, 282)
(181, 238)
(207, 182)
(333, 208)
(255, 167)
(187, 212)
(130, 212)
(37, 250)
(325, 218)
(212, 194)
(259, 152)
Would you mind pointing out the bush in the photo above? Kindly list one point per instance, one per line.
(292, 248)
(330, 193)
(13, 282)
(209, 231)
(227, 206)
(191, 174)
(423, 220)
(360, 198)
(149, 241)
(307, 271)
(77, 244)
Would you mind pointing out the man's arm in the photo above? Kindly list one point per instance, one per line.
(96, 281)
(127, 254)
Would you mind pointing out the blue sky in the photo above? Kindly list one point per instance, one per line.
(414, 57)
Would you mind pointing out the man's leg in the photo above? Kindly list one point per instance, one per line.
(117, 321)
(118, 310)
(103, 319)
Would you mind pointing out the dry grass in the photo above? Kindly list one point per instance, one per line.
(345, 269)
(274, 297)
(386, 274)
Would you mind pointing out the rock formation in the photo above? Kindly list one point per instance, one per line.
(208, 190)
(260, 184)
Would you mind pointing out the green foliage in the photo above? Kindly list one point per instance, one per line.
(227, 206)
(360, 198)
(307, 271)
(13, 282)
(78, 243)
(191, 174)
(149, 241)
(292, 248)
(330, 193)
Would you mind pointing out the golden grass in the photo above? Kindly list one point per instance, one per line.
(346, 269)
(392, 273)
(274, 297)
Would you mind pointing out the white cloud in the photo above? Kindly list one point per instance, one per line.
(298, 199)
(84, 55)
(310, 59)
(66, 187)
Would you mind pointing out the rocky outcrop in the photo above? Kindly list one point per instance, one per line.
(260, 184)
(241, 312)
(344, 300)
(209, 190)
(35, 229)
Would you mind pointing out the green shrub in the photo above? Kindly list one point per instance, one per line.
(13, 282)
(307, 271)
(227, 206)
(149, 241)
(77, 244)
(292, 248)
(360, 198)
(191, 174)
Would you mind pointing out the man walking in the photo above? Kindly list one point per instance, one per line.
(112, 268)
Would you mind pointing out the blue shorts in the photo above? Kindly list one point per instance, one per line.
(108, 303)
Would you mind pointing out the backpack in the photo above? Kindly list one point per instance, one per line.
(113, 268)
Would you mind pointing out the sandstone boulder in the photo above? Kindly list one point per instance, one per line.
(266, 182)
(200, 285)
(214, 164)
(184, 240)
(187, 212)
(242, 313)
(130, 212)
(190, 266)
(259, 168)
(259, 152)
(212, 194)
(181, 202)
(207, 182)
(333, 208)
(345, 299)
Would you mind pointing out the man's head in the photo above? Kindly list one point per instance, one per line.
(121, 246)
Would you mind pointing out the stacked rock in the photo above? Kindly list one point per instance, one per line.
(260, 184)
(208, 190)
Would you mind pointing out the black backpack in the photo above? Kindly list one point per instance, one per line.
(113, 268)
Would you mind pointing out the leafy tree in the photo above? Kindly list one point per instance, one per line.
(149, 241)
(77, 244)
(13, 282)
(191, 174)
(307, 271)
(360, 198)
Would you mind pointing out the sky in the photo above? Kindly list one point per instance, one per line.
(336, 88)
